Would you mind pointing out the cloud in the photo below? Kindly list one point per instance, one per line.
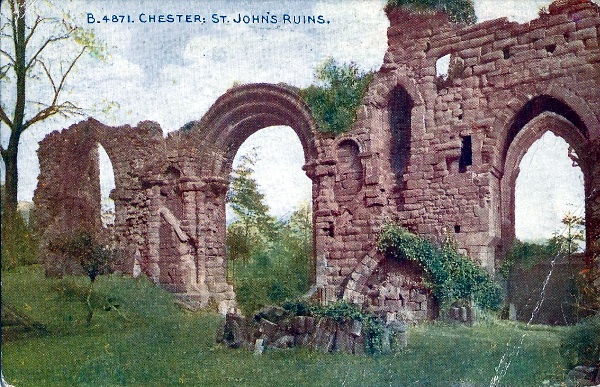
(172, 74)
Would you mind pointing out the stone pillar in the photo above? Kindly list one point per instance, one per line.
(590, 164)
(194, 214)
(151, 265)
(211, 233)
(324, 211)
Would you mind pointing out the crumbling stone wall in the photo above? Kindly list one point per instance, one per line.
(439, 155)
(508, 84)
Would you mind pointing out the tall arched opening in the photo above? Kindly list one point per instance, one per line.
(269, 240)
(552, 276)
(234, 117)
(107, 185)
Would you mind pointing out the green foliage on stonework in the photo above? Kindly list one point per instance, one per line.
(337, 95)
(459, 11)
(451, 276)
(344, 312)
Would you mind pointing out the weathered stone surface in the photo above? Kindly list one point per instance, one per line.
(324, 338)
(259, 347)
(286, 341)
(233, 331)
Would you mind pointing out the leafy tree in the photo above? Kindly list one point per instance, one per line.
(279, 270)
(94, 257)
(269, 259)
(574, 233)
(459, 11)
(337, 96)
(245, 199)
(254, 227)
(19, 244)
(28, 70)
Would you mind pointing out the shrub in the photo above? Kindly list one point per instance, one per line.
(94, 257)
(334, 101)
(451, 276)
(83, 247)
(19, 245)
(526, 255)
(459, 11)
(581, 345)
(343, 312)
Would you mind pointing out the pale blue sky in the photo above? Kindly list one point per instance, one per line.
(172, 73)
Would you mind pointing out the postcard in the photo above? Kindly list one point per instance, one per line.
(302, 193)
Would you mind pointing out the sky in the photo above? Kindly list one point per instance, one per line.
(172, 73)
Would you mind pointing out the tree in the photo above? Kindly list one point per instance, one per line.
(28, 42)
(246, 200)
(574, 232)
(94, 258)
(334, 101)
(459, 11)
(254, 227)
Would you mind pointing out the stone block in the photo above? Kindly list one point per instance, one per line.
(324, 337)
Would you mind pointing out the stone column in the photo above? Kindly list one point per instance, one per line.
(211, 233)
(324, 211)
(590, 164)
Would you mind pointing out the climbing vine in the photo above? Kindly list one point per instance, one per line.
(451, 276)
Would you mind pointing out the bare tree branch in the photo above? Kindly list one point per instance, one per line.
(13, 23)
(49, 75)
(4, 70)
(38, 21)
(6, 54)
(54, 108)
(46, 43)
(5, 118)
(62, 81)
(37, 103)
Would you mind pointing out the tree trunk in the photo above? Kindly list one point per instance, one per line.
(10, 154)
(11, 184)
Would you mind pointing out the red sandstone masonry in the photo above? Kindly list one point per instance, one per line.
(170, 192)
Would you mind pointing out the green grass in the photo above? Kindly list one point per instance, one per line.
(160, 345)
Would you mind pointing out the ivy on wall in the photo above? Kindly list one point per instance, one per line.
(451, 276)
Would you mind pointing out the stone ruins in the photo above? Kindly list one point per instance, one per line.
(437, 154)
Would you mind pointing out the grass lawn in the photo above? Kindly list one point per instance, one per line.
(150, 342)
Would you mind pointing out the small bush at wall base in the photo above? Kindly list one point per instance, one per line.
(19, 245)
(344, 312)
(581, 345)
(451, 276)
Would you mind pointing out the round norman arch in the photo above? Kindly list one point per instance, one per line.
(242, 111)
(235, 116)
